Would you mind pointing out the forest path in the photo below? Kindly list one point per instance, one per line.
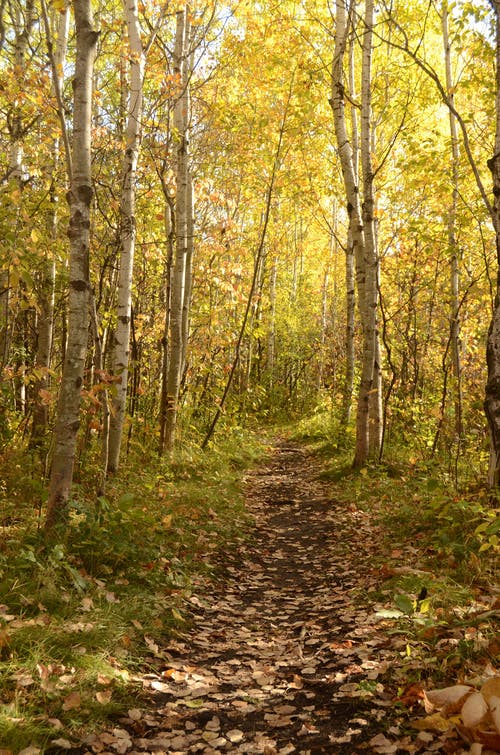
(282, 657)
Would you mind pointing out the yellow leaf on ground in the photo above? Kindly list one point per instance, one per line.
(435, 722)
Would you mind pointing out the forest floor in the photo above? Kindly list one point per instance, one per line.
(287, 654)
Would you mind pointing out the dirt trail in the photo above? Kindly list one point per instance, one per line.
(279, 658)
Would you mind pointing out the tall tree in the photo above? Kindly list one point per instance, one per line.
(361, 217)
(492, 398)
(183, 209)
(370, 394)
(121, 336)
(57, 56)
(452, 229)
(80, 197)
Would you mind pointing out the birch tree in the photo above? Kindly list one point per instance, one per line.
(179, 303)
(350, 284)
(121, 342)
(57, 56)
(79, 198)
(370, 393)
(452, 231)
(363, 238)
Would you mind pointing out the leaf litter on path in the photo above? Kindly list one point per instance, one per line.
(281, 658)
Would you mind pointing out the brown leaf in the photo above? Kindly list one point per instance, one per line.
(72, 701)
(104, 696)
(448, 696)
(491, 688)
(494, 705)
(104, 679)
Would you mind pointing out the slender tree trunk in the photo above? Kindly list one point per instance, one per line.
(350, 280)
(178, 292)
(452, 237)
(170, 236)
(271, 336)
(364, 257)
(369, 270)
(323, 324)
(48, 273)
(492, 397)
(188, 277)
(23, 19)
(80, 196)
(121, 343)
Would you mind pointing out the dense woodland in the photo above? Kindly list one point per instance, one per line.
(222, 216)
(270, 209)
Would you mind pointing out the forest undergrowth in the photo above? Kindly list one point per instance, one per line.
(83, 618)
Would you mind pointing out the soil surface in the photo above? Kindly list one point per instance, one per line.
(286, 655)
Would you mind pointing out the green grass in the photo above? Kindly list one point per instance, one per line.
(80, 615)
(438, 533)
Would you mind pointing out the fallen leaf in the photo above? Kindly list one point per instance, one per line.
(235, 736)
(104, 696)
(104, 679)
(435, 722)
(439, 698)
(151, 644)
(72, 701)
(491, 688)
(64, 744)
(474, 710)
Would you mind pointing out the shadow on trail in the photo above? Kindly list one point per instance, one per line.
(279, 658)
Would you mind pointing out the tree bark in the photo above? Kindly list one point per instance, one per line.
(48, 272)
(492, 397)
(80, 196)
(178, 290)
(350, 280)
(363, 250)
(370, 389)
(452, 236)
(121, 341)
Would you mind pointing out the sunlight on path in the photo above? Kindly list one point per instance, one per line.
(279, 659)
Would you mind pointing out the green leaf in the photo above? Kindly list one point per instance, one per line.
(405, 604)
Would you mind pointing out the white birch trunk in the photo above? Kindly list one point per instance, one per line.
(47, 296)
(452, 237)
(369, 392)
(121, 342)
(356, 228)
(188, 275)
(350, 280)
(181, 204)
(80, 196)
(271, 336)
